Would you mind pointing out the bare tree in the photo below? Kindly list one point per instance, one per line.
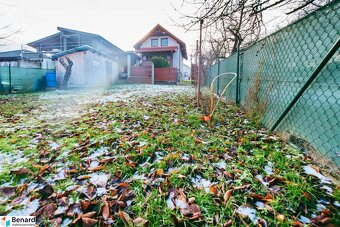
(231, 23)
(68, 68)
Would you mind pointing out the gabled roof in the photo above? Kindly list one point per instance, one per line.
(15, 55)
(157, 29)
(67, 30)
(39, 41)
(88, 34)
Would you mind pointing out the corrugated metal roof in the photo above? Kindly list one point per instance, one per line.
(14, 55)
(79, 49)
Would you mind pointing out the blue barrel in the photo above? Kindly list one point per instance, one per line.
(51, 79)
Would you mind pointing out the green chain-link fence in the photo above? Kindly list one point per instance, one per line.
(273, 71)
(15, 79)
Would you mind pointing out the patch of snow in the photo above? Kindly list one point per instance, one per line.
(29, 208)
(99, 179)
(260, 205)
(304, 220)
(101, 191)
(200, 182)
(248, 212)
(320, 207)
(336, 203)
(311, 171)
(260, 178)
(220, 165)
(9, 159)
(99, 152)
(268, 168)
(169, 202)
(328, 189)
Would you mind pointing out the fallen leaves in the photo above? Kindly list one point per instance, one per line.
(146, 162)
(140, 222)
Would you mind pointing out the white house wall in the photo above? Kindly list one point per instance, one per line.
(77, 71)
(89, 69)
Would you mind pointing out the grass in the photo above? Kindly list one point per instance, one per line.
(149, 137)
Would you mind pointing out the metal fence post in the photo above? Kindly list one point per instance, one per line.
(238, 77)
(218, 79)
(10, 77)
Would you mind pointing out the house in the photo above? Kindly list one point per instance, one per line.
(186, 72)
(90, 67)
(67, 39)
(95, 59)
(160, 42)
(20, 58)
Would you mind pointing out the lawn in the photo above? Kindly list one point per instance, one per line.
(141, 155)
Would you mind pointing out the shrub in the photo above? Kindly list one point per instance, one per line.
(160, 62)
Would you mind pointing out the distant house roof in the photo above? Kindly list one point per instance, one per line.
(15, 55)
(79, 49)
(160, 30)
(62, 30)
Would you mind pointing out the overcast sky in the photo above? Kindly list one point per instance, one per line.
(122, 22)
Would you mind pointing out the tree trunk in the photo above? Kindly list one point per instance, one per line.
(68, 68)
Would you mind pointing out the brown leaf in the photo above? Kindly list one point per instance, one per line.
(84, 177)
(207, 118)
(106, 160)
(21, 188)
(8, 191)
(192, 211)
(125, 216)
(280, 217)
(46, 211)
(296, 224)
(159, 172)
(140, 222)
(72, 171)
(43, 169)
(213, 190)
(228, 223)
(242, 187)
(197, 140)
(88, 214)
(46, 191)
(123, 184)
(106, 210)
(21, 171)
(227, 195)
(97, 168)
(88, 222)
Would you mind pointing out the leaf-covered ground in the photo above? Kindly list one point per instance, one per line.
(141, 156)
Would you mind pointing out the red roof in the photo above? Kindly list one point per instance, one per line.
(156, 49)
(156, 30)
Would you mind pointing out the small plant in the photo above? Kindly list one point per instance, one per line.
(160, 62)
(256, 103)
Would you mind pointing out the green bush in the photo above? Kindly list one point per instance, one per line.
(160, 62)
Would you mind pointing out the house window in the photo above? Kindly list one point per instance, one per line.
(164, 42)
(154, 42)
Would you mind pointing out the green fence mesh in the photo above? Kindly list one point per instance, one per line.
(22, 79)
(274, 69)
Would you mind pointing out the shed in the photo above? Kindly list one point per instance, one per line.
(20, 58)
(90, 67)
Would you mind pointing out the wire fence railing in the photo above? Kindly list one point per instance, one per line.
(20, 80)
(285, 80)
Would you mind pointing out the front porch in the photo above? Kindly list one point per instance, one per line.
(146, 73)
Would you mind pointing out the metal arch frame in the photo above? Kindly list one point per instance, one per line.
(212, 108)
